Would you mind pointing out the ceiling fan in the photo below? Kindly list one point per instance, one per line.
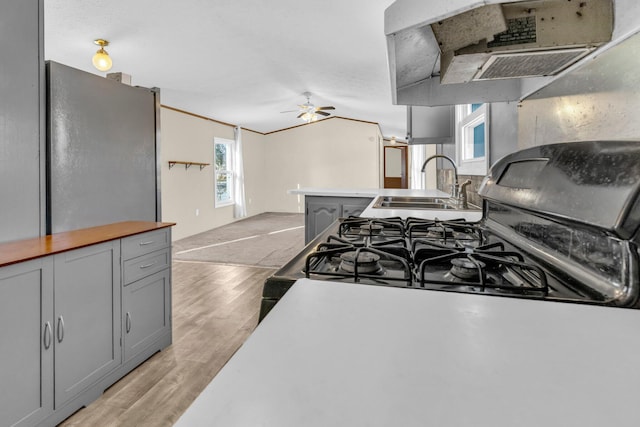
(308, 112)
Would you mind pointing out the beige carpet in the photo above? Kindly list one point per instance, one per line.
(265, 240)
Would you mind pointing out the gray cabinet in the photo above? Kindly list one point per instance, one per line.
(63, 331)
(321, 211)
(76, 321)
(146, 292)
(21, 120)
(87, 317)
(26, 371)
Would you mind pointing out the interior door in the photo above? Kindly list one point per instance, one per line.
(395, 166)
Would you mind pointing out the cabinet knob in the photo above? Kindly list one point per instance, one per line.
(60, 329)
(47, 336)
(128, 322)
(151, 264)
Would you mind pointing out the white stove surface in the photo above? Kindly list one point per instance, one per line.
(340, 354)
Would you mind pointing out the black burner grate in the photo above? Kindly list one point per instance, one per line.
(329, 260)
(443, 231)
(482, 268)
(370, 227)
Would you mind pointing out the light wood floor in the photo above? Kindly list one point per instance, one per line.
(215, 308)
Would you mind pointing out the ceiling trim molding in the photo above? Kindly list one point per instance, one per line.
(322, 120)
(200, 116)
(363, 121)
(357, 120)
(297, 126)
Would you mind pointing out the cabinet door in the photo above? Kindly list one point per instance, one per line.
(320, 213)
(147, 311)
(26, 347)
(353, 206)
(86, 316)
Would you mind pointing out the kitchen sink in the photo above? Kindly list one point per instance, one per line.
(412, 205)
(409, 199)
(407, 202)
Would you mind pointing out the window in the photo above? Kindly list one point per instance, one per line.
(223, 173)
(472, 139)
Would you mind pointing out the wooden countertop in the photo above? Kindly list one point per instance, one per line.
(24, 250)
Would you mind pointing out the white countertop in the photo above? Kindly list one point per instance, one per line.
(366, 192)
(340, 354)
(442, 214)
(371, 212)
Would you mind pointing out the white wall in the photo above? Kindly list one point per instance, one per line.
(331, 153)
(189, 138)
(334, 153)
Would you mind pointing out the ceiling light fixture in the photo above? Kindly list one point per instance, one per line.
(101, 60)
(309, 117)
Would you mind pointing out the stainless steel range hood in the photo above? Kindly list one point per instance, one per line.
(463, 51)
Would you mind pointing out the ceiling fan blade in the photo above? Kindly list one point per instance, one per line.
(290, 111)
(322, 113)
(301, 114)
(326, 108)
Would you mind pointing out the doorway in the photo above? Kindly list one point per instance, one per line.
(395, 166)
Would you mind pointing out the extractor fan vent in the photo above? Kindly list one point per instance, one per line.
(520, 39)
(526, 64)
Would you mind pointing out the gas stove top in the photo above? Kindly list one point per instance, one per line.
(560, 222)
(453, 255)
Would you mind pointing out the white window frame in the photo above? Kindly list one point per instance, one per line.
(466, 121)
(229, 172)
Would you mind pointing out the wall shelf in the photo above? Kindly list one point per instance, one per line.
(172, 163)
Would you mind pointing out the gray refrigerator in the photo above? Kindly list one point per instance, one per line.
(102, 143)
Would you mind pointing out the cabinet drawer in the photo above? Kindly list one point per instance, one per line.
(137, 268)
(144, 243)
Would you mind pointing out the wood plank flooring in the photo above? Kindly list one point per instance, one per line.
(215, 308)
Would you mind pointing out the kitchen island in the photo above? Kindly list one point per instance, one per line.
(325, 205)
(341, 354)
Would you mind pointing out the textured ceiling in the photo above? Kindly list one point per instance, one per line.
(239, 61)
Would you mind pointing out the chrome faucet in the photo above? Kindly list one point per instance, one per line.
(463, 199)
(454, 188)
